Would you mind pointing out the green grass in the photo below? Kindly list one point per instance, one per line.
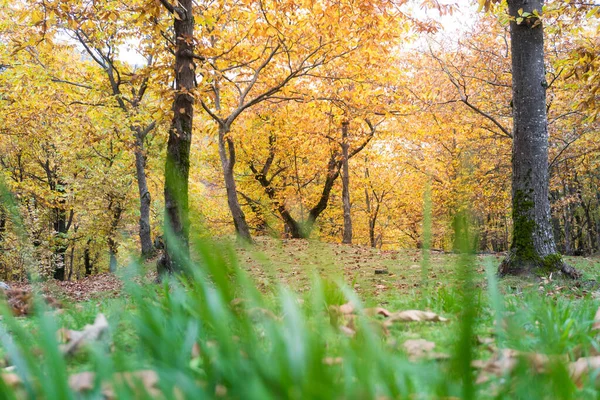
(262, 320)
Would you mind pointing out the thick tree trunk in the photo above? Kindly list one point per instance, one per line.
(227, 156)
(347, 234)
(145, 232)
(177, 165)
(533, 250)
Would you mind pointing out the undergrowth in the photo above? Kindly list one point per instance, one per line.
(216, 333)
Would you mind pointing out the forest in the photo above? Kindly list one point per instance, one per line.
(299, 199)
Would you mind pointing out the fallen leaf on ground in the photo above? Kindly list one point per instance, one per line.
(90, 333)
(196, 350)
(347, 308)
(413, 316)
(504, 361)
(82, 382)
(418, 348)
(332, 360)
(146, 379)
(582, 367)
(347, 331)
(11, 380)
(421, 348)
(488, 343)
(377, 311)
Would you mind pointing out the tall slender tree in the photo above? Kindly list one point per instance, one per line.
(533, 248)
(347, 233)
(177, 165)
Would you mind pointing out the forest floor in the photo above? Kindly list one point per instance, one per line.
(547, 315)
(387, 276)
(379, 277)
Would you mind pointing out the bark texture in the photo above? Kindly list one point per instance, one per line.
(61, 229)
(145, 232)
(180, 136)
(533, 250)
(347, 233)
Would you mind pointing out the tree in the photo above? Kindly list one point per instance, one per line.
(347, 233)
(100, 32)
(316, 145)
(268, 51)
(533, 247)
(177, 165)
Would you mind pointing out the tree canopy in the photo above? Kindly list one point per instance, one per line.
(325, 119)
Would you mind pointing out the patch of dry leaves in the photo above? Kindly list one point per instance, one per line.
(81, 290)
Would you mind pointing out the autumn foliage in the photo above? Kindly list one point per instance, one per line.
(287, 94)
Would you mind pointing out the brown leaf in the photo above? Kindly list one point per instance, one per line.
(582, 367)
(347, 331)
(332, 360)
(414, 316)
(196, 350)
(488, 343)
(90, 333)
(377, 311)
(147, 379)
(347, 308)
(504, 361)
(11, 380)
(82, 382)
(418, 348)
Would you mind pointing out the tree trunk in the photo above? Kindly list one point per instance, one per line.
(144, 194)
(333, 171)
(112, 251)
(60, 243)
(567, 225)
(347, 234)
(3, 219)
(3, 269)
(117, 211)
(177, 165)
(71, 262)
(292, 227)
(227, 156)
(88, 264)
(533, 250)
